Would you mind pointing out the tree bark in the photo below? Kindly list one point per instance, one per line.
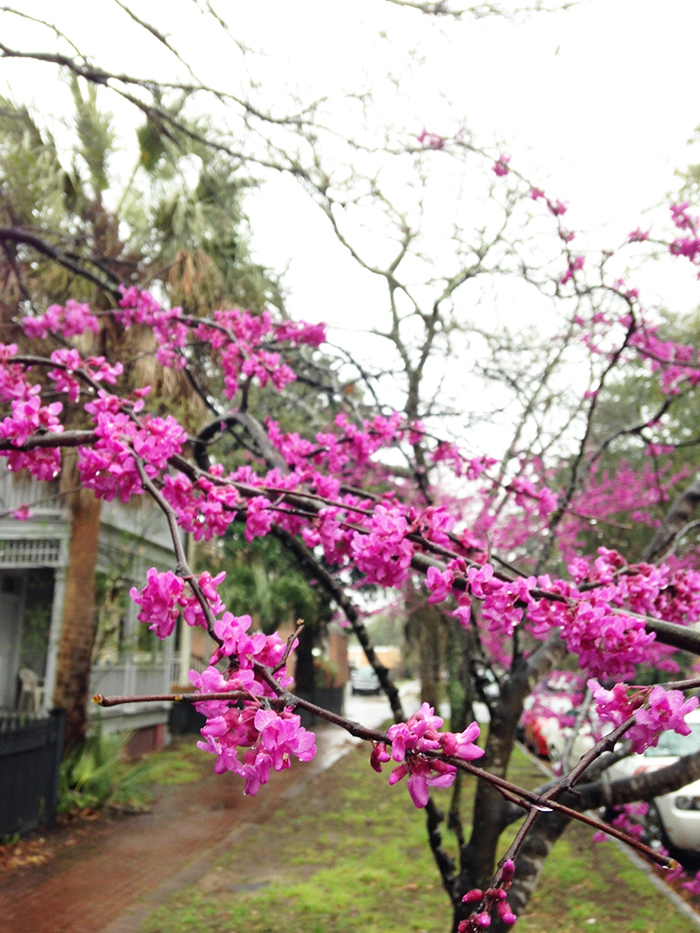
(478, 856)
(78, 626)
(675, 521)
(304, 670)
(429, 622)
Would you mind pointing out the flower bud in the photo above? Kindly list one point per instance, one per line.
(474, 895)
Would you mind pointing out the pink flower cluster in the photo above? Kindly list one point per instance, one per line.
(677, 363)
(109, 467)
(655, 710)
(206, 508)
(487, 900)
(384, 554)
(532, 497)
(240, 340)
(687, 246)
(70, 362)
(269, 738)
(409, 742)
(430, 140)
(29, 417)
(575, 265)
(500, 166)
(164, 597)
(70, 320)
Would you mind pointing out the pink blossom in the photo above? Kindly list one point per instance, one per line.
(557, 207)
(638, 235)
(473, 896)
(500, 167)
(384, 554)
(258, 518)
(29, 416)
(614, 705)
(416, 736)
(70, 320)
(379, 756)
(192, 611)
(479, 580)
(430, 140)
(159, 601)
(664, 710)
(283, 736)
(439, 584)
(575, 265)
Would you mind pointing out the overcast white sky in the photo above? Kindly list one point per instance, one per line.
(598, 102)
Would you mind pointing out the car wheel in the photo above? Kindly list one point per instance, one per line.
(655, 832)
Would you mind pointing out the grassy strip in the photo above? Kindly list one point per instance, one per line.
(350, 855)
(180, 763)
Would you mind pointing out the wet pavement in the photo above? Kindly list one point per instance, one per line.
(124, 868)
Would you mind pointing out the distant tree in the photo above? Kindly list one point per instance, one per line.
(67, 228)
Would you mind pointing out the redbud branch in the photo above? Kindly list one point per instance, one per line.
(290, 644)
(527, 799)
(79, 373)
(183, 568)
(668, 633)
(66, 439)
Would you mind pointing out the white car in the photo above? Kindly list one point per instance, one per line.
(364, 680)
(674, 817)
(558, 740)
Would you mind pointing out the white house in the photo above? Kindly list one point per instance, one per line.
(128, 658)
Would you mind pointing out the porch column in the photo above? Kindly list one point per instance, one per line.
(59, 589)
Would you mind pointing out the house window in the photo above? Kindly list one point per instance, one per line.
(36, 621)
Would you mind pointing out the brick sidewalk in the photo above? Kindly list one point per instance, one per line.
(111, 879)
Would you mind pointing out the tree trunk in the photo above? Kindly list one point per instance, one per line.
(674, 522)
(304, 670)
(478, 856)
(429, 622)
(78, 625)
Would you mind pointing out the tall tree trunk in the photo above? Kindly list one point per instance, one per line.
(304, 671)
(674, 521)
(78, 626)
(478, 856)
(429, 622)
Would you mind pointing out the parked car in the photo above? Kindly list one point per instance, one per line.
(673, 819)
(542, 723)
(590, 731)
(364, 680)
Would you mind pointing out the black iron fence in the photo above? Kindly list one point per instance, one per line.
(30, 756)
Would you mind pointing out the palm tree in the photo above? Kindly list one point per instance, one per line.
(68, 229)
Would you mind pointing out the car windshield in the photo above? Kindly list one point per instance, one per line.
(365, 673)
(675, 745)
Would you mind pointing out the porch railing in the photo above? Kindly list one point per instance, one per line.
(131, 679)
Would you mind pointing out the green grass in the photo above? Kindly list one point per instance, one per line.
(350, 856)
(180, 763)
